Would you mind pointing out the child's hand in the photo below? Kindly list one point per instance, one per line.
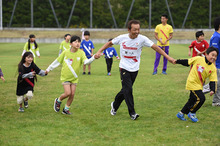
(3, 79)
(211, 93)
(46, 72)
(189, 53)
(33, 73)
(96, 56)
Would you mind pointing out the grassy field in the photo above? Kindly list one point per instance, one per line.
(157, 100)
(95, 34)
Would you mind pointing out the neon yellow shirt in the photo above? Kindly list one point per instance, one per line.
(163, 32)
(71, 63)
(64, 45)
(32, 49)
(199, 72)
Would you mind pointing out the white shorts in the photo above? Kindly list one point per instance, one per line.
(20, 99)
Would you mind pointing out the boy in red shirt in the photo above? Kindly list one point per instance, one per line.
(199, 45)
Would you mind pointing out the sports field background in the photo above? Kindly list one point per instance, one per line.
(157, 100)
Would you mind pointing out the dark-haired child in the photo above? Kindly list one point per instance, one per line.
(199, 45)
(1, 75)
(65, 44)
(31, 46)
(202, 68)
(87, 46)
(109, 52)
(71, 61)
(27, 71)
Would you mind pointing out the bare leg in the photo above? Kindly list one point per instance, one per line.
(84, 68)
(67, 92)
(71, 96)
(89, 67)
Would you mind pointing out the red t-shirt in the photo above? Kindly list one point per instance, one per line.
(200, 46)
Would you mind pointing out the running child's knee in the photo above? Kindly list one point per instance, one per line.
(29, 94)
(20, 99)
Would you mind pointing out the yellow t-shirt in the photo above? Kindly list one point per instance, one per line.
(64, 45)
(32, 50)
(71, 63)
(163, 32)
(199, 72)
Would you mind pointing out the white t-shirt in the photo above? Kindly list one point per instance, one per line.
(130, 50)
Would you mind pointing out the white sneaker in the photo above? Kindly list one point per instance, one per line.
(113, 112)
(216, 104)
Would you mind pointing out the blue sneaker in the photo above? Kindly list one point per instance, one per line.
(154, 73)
(193, 117)
(181, 116)
(164, 72)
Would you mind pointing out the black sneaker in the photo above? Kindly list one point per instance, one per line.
(112, 111)
(84, 73)
(134, 117)
(66, 112)
(56, 105)
(26, 104)
(89, 73)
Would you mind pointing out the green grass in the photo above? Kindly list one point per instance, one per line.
(157, 100)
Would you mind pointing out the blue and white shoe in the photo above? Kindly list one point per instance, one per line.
(181, 116)
(164, 72)
(21, 109)
(56, 106)
(154, 73)
(193, 117)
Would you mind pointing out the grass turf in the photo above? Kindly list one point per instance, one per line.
(157, 99)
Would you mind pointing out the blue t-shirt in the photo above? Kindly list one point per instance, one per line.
(109, 52)
(215, 42)
(87, 47)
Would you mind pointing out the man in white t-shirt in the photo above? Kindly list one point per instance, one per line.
(131, 45)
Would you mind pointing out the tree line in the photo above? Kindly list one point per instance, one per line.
(43, 16)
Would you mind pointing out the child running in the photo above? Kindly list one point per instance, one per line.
(71, 61)
(202, 68)
(65, 44)
(27, 70)
(109, 52)
(1, 75)
(87, 46)
(199, 45)
(31, 46)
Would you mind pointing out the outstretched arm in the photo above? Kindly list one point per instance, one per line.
(52, 66)
(105, 46)
(159, 50)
